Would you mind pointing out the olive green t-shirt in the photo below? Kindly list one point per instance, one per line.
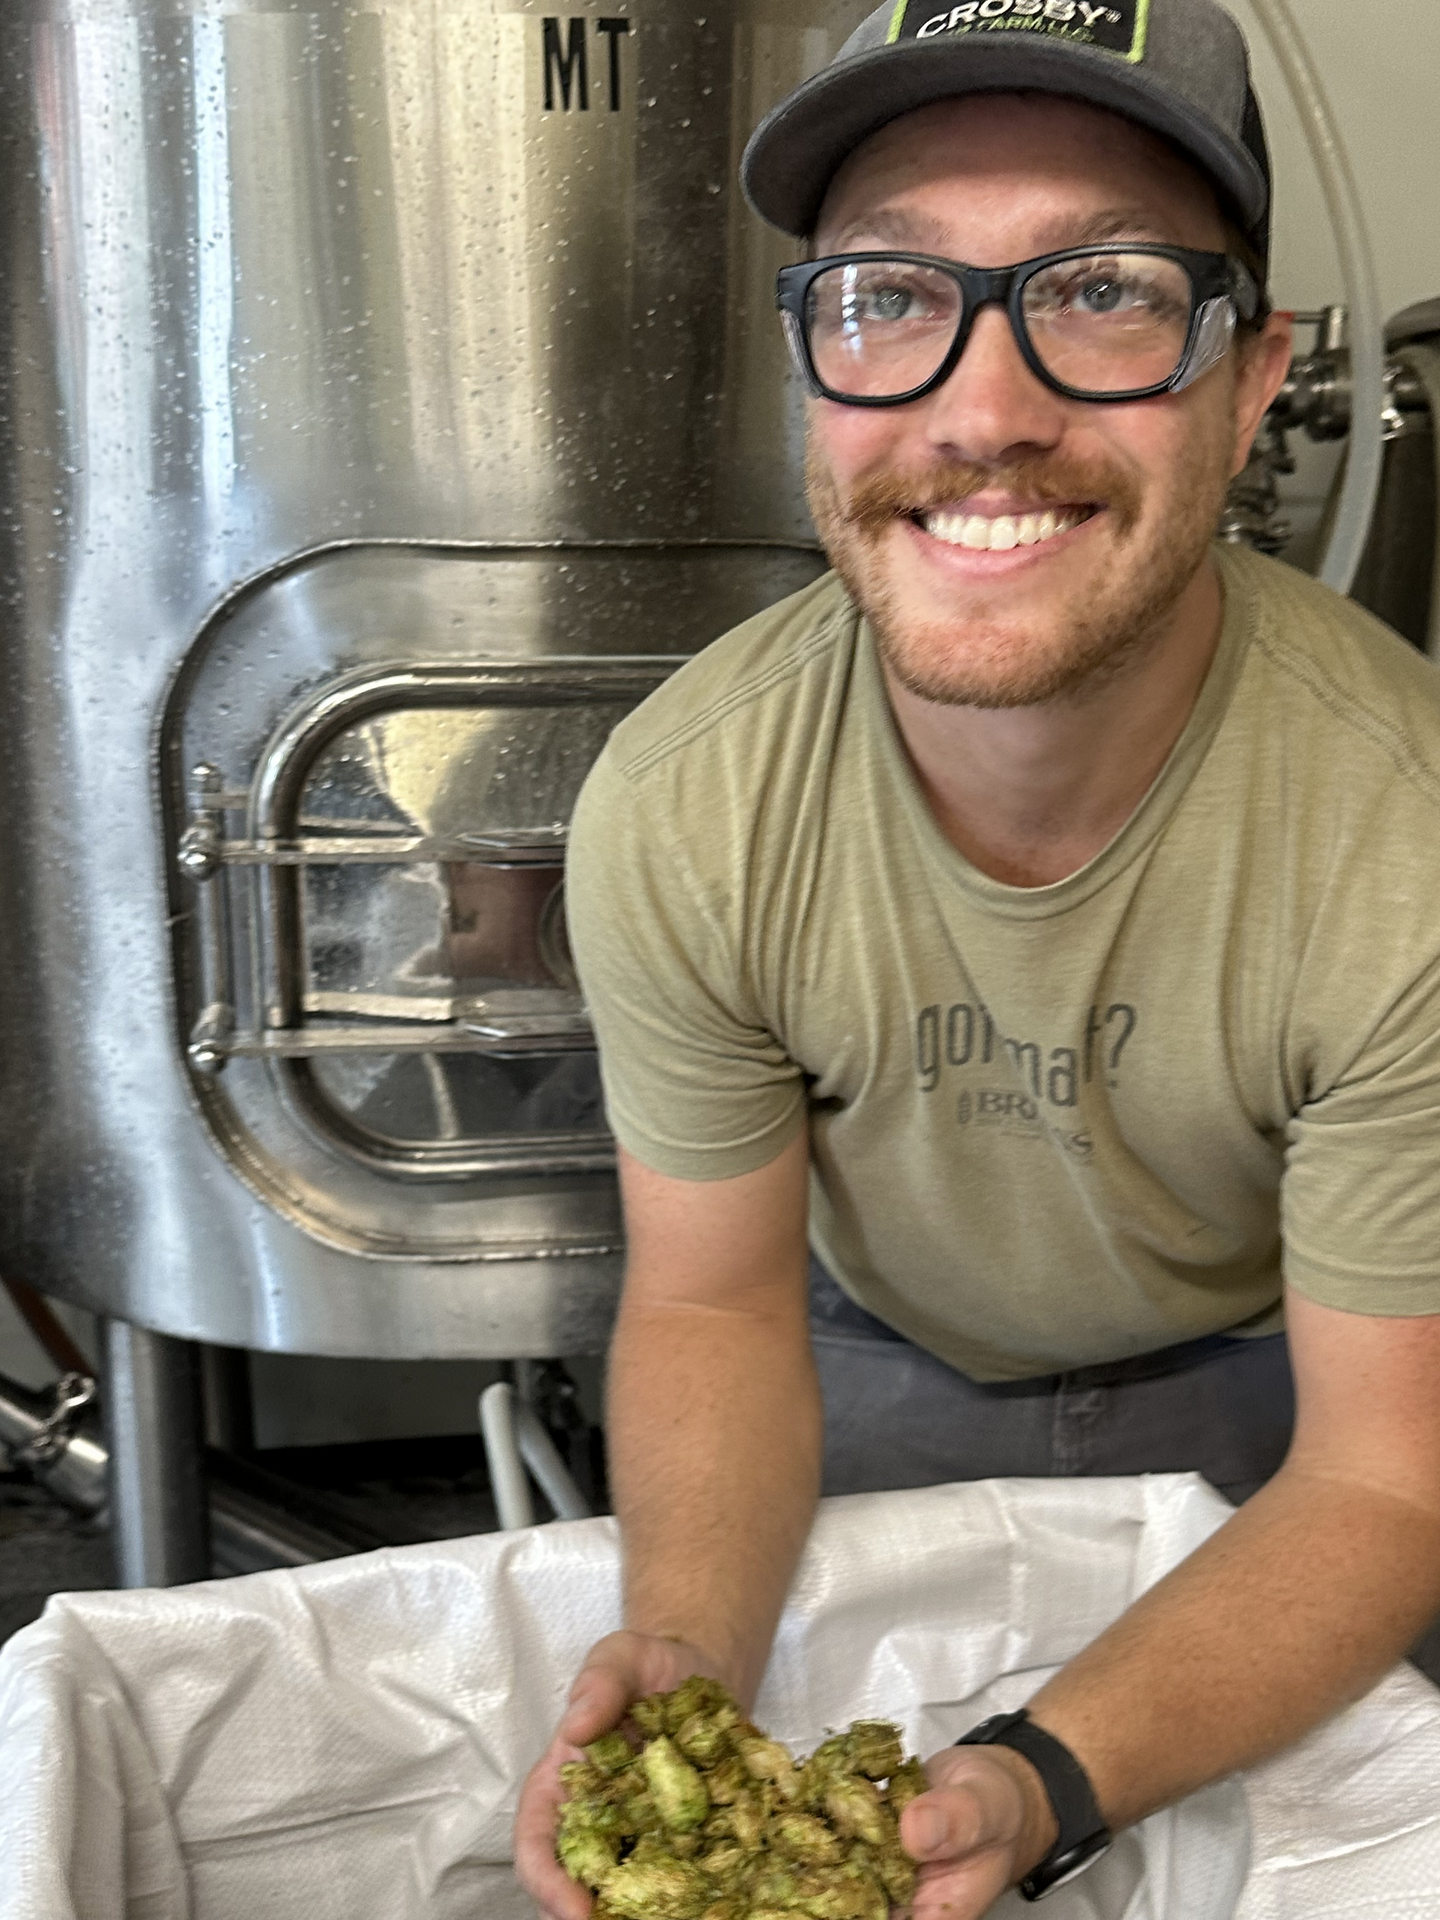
(1050, 1126)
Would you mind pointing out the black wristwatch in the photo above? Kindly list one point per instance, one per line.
(1083, 1835)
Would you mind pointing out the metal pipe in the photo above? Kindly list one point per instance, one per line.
(515, 1438)
(75, 1473)
(513, 1505)
(157, 1487)
(542, 1457)
(1361, 483)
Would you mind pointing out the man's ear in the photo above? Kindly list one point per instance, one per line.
(1263, 360)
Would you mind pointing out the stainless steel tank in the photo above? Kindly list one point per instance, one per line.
(391, 395)
(1396, 576)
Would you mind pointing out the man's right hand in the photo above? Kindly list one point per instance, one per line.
(714, 1435)
(618, 1669)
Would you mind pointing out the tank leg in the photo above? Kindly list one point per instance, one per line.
(157, 1483)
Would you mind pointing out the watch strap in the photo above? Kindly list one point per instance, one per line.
(1082, 1835)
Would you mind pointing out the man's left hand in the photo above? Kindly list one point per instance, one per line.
(985, 1822)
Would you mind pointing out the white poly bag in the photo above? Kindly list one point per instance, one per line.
(346, 1742)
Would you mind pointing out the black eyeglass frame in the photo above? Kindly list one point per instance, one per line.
(1213, 277)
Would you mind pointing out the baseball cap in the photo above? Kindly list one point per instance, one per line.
(1178, 67)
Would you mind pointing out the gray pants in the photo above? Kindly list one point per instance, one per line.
(895, 1416)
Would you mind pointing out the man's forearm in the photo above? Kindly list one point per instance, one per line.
(715, 1440)
(1294, 1609)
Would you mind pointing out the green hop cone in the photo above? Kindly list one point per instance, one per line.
(610, 1754)
(841, 1893)
(857, 1811)
(587, 1856)
(728, 1782)
(657, 1889)
(649, 1714)
(774, 1885)
(895, 1871)
(675, 1786)
(582, 1781)
(698, 1695)
(725, 1864)
(873, 1748)
(907, 1783)
(712, 1820)
(768, 1760)
(748, 1821)
(803, 1838)
(702, 1738)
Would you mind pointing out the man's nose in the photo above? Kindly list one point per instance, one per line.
(992, 402)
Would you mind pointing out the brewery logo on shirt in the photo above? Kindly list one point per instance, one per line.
(963, 1037)
(1109, 26)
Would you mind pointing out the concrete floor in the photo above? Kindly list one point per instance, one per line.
(44, 1550)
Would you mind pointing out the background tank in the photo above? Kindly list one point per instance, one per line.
(391, 395)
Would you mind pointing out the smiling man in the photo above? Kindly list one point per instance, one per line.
(1037, 914)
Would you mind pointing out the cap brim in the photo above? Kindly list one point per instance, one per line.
(798, 148)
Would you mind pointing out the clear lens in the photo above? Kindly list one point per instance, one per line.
(1111, 322)
(1107, 322)
(880, 327)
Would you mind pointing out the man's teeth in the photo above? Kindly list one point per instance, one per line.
(1002, 533)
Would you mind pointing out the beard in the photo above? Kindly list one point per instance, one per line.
(986, 655)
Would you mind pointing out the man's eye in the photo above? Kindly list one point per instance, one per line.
(889, 303)
(1133, 297)
(1104, 296)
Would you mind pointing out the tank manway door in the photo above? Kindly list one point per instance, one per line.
(371, 763)
(415, 961)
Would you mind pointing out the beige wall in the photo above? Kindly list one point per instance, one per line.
(1380, 63)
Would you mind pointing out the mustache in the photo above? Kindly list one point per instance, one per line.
(1047, 481)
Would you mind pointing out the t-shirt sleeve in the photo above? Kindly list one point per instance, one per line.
(1361, 1193)
(697, 1085)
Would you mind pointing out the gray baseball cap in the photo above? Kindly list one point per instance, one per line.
(1178, 67)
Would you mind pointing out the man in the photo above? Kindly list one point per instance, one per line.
(1060, 890)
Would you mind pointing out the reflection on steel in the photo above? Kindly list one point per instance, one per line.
(203, 849)
(343, 342)
(528, 1021)
(567, 1027)
(516, 846)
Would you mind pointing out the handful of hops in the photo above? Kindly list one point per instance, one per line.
(709, 1820)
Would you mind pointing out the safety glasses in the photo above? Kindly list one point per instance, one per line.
(1092, 323)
